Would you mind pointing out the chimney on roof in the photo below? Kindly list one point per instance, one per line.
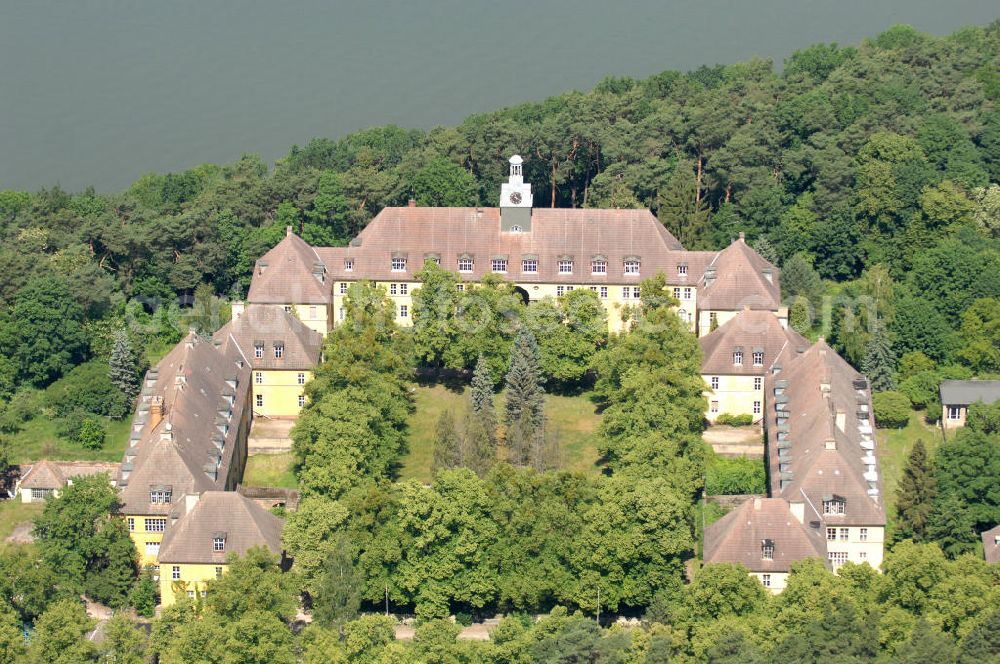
(756, 504)
(411, 203)
(155, 411)
(798, 510)
(743, 236)
(288, 231)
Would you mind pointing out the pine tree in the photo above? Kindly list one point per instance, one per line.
(915, 495)
(524, 413)
(765, 249)
(482, 389)
(447, 447)
(123, 371)
(951, 526)
(479, 447)
(879, 363)
(682, 211)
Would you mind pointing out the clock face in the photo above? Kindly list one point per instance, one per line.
(515, 198)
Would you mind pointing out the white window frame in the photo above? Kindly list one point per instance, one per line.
(560, 291)
(766, 580)
(466, 264)
(155, 524)
(738, 358)
(636, 293)
(343, 288)
(393, 289)
(404, 311)
(279, 351)
(258, 351)
(398, 265)
(758, 383)
(631, 267)
(131, 523)
(713, 381)
(498, 265)
(152, 549)
(714, 407)
(756, 408)
(259, 400)
(258, 377)
(404, 289)
(598, 267)
(565, 267)
(302, 401)
(836, 558)
(687, 293)
(954, 413)
(863, 534)
(766, 552)
(626, 292)
(845, 534)
(604, 292)
(348, 265)
(301, 378)
(682, 270)
(312, 313)
(218, 544)
(529, 265)
(175, 572)
(834, 507)
(758, 358)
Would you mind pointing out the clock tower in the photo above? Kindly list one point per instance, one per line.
(515, 200)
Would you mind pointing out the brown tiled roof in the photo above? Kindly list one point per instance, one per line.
(749, 330)
(241, 521)
(203, 391)
(581, 234)
(285, 275)
(267, 324)
(43, 475)
(738, 537)
(818, 384)
(991, 545)
(740, 281)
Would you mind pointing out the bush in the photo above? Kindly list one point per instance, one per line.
(92, 434)
(726, 476)
(892, 409)
(734, 420)
(143, 595)
(24, 407)
(921, 388)
(86, 387)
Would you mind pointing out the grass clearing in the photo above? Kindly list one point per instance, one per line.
(14, 513)
(894, 447)
(571, 418)
(38, 440)
(270, 470)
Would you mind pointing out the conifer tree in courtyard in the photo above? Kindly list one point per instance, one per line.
(879, 363)
(915, 496)
(447, 446)
(480, 440)
(123, 371)
(524, 413)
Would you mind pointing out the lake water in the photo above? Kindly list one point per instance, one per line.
(97, 92)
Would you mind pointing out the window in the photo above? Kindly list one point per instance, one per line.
(598, 266)
(312, 313)
(343, 288)
(399, 265)
(766, 580)
(593, 289)
(348, 264)
(40, 494)
(835, 505)
(279, 350)
(259, 400)
(191, 594)
(831, 534)
(302, 401)
(393, 289)
(713, 318)
(529, 266)
(758, 358)
(837, 558)
(175, 573)
(560, 290)
(604, 292)
(460, 287)
(499, 264)
(758, 382)
(631, 267)
(131, 524)
(565, 267)
(687, 293)
(258, 377)
(159, 496)
(288, 308)
(155, 525)
(258, 350)
(844, 534)
(515, 229)
(954, 412)
(465, 265)
(340, 314)
(218, 543)
(301, 378)
(636, 291)
(682, 270)
(626, 293)
(714, 382)
(715, 407)
(152, 549)
(767, 549)
(404, 289)
(677, 293)
(684, 315)
(863, 555)
(738, 357)
(404, 311)
(202, 593)
(863, 534)
(756, 408)
(218, 572)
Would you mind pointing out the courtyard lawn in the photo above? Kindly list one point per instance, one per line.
(38, 440)
(571, 419)
(270, 470)
(894, 447)
(14, 513)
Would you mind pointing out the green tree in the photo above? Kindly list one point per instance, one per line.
(92, 434)
(338, 596)
(965, 467)
(46, 323)
(447, 444)
(11, 635)
(443, 183)
(254, 583)
(925, 645)
(879, 363)
(524, 408)
(60, 636)
(892, 409)
(434, 304)
(124, 642)
(480, 439)
(123, 371)
(915, 495)
(723, 589)
(979, 336)
(982, 644)
(682, 210)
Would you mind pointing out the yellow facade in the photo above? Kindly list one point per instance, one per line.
(735, 395)
(191, 579)
(314, 316)
(279, 393)
(146, 532)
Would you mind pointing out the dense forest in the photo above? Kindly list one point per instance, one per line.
(869, 173)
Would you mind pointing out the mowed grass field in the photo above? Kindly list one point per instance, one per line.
(572, 419)
(14, 513)
(38, 440)
(894, 447)
(273, 470)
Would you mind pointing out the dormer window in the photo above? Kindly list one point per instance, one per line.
(631, 266)
(834, 505)
(758, 358)
(565, 266)
(682, 270)
(767, 549)
(529, 266)
(348, 265)
(465, 264)
(738, 356)
(219, 542)
(599, 266)
(160, 495)
(398, 264)
(515, 229)
(499, 264)
(279, 349)
(258, 349)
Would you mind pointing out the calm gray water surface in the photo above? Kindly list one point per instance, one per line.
(97, 92)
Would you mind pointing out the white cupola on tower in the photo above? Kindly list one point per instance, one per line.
(515, 200)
